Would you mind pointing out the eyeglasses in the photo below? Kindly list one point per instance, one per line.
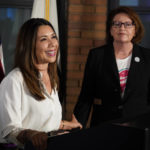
(117, 24)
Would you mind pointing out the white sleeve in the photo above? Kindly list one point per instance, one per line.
(10, 108)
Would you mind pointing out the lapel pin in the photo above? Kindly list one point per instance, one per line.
(137, 59)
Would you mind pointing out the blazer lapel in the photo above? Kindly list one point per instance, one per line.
(133, 71)
(112, 65)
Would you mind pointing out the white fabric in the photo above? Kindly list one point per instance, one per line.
(38, 11)
(19, 110)
(123, 63)
(123, 68)
(1, 57)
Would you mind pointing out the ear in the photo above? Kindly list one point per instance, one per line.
(134, 34)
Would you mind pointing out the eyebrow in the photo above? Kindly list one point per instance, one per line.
(121, 21)
(40, 36)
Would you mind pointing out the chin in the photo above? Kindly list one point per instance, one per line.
(52, 61)
(123, 41)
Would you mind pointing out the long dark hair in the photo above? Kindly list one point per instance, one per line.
(25, 57)
(139, 29)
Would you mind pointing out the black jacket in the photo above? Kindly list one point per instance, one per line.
(101, 84)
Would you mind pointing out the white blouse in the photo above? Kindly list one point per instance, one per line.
(19, 110)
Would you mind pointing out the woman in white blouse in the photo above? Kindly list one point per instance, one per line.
(29, 102)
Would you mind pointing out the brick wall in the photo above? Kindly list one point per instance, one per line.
(86, 30)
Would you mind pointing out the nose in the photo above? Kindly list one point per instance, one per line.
(122, 25)
(51, 42)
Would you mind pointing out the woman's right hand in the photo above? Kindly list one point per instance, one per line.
(38, 139)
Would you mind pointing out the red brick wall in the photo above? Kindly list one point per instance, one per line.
(86, 30)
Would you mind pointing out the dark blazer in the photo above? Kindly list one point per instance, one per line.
(101, 87)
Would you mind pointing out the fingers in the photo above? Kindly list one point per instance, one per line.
(39, 141)
(68, 125)
(80, 126)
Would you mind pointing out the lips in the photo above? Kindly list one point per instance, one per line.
(122, 33)
(51, 53)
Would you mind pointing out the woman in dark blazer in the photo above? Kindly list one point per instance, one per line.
(117, 75)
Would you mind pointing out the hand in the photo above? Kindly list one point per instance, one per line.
(38, 139)
(68, 125)
(75, 120)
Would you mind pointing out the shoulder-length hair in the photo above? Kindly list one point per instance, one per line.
(25, 57)
(139, 29)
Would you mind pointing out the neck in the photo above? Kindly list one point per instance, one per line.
(122, 50)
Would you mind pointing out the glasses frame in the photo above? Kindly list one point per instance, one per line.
(118, 24)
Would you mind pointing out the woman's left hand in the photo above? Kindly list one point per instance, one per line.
(68, 125)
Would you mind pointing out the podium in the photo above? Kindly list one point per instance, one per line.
(103, 137)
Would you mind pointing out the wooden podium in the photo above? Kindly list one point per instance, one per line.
(104, 137)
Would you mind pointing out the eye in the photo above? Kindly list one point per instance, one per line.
(54, 37)
(116, 24)
(128, 24)
(43, 39)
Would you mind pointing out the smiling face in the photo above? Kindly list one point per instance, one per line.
(46, 45)
(123, 34)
